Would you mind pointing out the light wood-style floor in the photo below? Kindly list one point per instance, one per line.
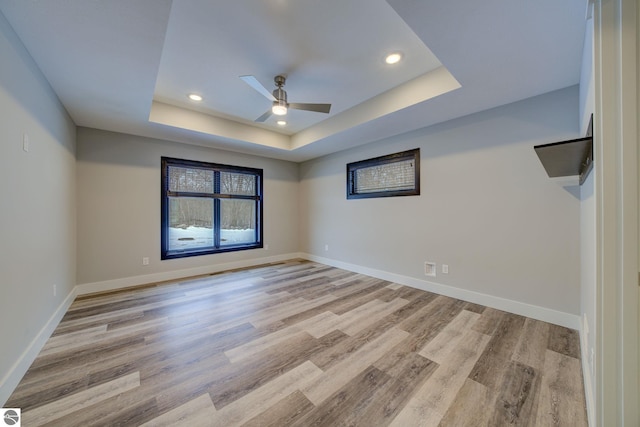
(299, 344)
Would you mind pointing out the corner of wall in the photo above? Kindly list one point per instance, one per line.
(11, 380)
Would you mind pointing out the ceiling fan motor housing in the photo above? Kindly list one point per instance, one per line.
(279, 93)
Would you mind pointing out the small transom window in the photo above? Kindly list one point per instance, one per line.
(387, 176)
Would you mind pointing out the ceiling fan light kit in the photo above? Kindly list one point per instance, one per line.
(279, 108)
(279, 98)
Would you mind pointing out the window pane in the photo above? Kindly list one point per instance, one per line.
(237, 183)
(237, 221)
(386, 177)
(209, 208)
(190, 223)
(192, 180)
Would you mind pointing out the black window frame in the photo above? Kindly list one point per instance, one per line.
(217, 196)
(352, 169)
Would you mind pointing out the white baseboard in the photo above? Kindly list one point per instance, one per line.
(535, 312)
(11, 380)
(586, 375)
(126, 282)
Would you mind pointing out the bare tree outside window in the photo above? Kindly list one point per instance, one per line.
(386, 176)
(209, 208)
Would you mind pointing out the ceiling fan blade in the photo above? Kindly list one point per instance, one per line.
(254, 83)
(264, 117)
(318, 108)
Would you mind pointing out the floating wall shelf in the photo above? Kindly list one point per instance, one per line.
(568, 158)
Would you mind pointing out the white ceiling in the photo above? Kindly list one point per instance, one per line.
(127, 66)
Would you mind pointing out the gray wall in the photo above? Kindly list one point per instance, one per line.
(118, 206)
(487, 207)
(37, 206)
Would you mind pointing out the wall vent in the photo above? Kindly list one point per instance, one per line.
(430, 269)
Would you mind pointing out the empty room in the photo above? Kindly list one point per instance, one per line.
(319, 213)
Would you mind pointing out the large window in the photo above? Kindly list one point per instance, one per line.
(209, 208)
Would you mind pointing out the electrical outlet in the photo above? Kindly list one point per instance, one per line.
(326, 248)
(145, 261)
(445, 269)
(55, 290)
(25, 142)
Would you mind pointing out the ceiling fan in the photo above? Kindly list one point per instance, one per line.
(279, 98)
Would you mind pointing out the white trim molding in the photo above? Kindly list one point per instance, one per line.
(616, 55)
(586, 375)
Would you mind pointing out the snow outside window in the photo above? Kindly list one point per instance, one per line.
(209, 208)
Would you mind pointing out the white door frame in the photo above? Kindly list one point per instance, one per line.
(616, 44)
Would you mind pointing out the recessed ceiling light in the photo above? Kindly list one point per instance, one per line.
(281, 122)
(195, 97)
(393, 58)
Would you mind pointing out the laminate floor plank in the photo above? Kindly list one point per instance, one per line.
(352, 326)
(298, 343)
(492, 365)
(489, 321)
(561, 400)
(426, 324)
(284, 413)
(49, 382)
(475, 308)
(60, 347)
(369, 291)
(447, 341)
(350, 280)
(196, 412)
(472, 407)
(267, 395)
(408, 375)
(309, 284)
(346, 405)
(517, 403)
(359, 318)
(531, 347)
(258, 345)
(329, 356)
(238, 379)
(408, 293)
(292, 308)
(564, 341)
(435, 315)
(107, 414)
(46, 413)
(342, 299)
(429, 404)
(340, 374)
(65, 380)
